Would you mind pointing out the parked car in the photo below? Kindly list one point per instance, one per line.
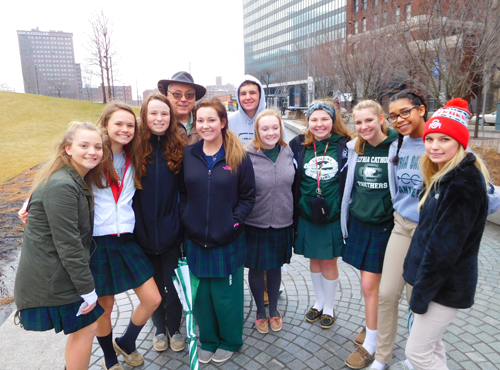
(489, 119)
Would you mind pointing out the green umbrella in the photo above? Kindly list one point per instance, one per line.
(186, 285)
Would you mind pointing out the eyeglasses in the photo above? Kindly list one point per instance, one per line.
(178, 95)
(403, 114)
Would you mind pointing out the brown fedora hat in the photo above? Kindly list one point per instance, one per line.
(183, 78)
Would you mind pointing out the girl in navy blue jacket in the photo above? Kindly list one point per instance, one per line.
(442, 261)
(158, 228)
(217, 194)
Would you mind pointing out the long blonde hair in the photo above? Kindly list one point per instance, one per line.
(256, 143)
(377, 109)
(432, 175)
(338, 126)
(60, 158)
(235, 151)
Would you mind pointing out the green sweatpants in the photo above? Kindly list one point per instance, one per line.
(218, 311)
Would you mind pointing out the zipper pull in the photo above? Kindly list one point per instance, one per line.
(209, 172)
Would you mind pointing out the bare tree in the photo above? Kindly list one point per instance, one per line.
(447, 51)
(101, 51)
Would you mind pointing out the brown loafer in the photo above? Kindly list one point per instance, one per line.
(276, 323)
(262, 325)
(114, 367)
(133, 359)
(360, 338)
(359, 359)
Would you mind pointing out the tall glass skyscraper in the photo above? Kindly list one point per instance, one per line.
(277, 35)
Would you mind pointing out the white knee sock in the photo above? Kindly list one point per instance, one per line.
(318, 290)
(370, 342)
(330, 289)
(377, 365)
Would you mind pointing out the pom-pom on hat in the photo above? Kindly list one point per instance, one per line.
(451, 120)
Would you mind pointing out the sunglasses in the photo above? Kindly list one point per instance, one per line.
(178, 95)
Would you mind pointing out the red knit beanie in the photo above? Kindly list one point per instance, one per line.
(451, 120)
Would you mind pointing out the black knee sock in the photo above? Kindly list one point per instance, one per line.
(256, 282)
(273, 289)
(106, 344)
(127, 340)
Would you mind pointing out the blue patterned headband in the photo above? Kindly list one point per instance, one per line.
(323, 106)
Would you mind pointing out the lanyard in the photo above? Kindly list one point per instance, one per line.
(318, 173)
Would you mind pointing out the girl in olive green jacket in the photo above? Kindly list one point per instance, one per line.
(54, 288)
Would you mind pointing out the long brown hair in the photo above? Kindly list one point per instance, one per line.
(133, 148)
(359, 147)
(174, 143)
(235, 151)
(256, 143)
(338, 126)
(60, 159)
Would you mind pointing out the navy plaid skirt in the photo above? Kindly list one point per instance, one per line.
(366, 244)
(268, 248)
(118, 264)
(58, 318)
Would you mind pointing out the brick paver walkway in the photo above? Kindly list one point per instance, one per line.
(472, 341)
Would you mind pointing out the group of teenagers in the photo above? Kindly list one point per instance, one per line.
(120, 202)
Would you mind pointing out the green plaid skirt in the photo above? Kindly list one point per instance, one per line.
(268, 248)
(319, 241)
(58, 318)
(366, 244)
(118, 264)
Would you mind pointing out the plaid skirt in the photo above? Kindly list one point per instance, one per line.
(118, 264)
(58, 318)
(366, 244)
(268, 248)
(319, 241)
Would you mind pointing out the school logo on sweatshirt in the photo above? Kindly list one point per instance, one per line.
(328, 171)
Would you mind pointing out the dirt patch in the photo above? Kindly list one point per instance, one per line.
(12, 195)
(492, 159)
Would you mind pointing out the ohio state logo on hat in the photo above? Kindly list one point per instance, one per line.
(435, 124)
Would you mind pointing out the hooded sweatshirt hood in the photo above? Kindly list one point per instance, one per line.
(239, 122)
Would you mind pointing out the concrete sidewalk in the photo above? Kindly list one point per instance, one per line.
(472, 341)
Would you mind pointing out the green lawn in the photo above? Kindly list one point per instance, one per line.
(31, 125)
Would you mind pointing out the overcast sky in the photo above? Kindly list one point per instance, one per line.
(152, 41)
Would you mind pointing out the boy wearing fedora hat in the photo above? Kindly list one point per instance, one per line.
(183, 93)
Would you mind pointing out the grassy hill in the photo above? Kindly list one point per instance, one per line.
(30, 125)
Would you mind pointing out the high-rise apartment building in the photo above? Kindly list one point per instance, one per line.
(277, 35)
(48, 63)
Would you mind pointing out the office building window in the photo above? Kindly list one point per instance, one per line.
(397, 15)
(356, 6)
(408, 12)
(364, 4)
(384, 19)
(363, 24)
(355, 27)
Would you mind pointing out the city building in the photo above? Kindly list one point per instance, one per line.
(369, 49)
(277, 37)
(219, 90)
(48, 63)
(122, 93)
